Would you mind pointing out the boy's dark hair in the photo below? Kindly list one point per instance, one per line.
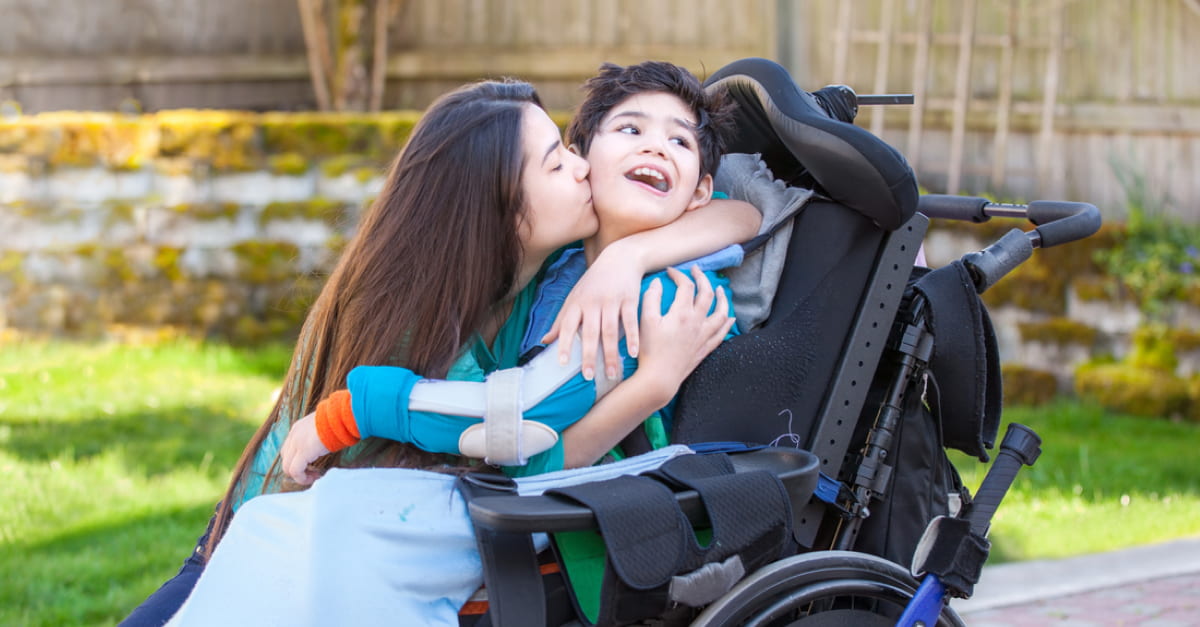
(613, 84)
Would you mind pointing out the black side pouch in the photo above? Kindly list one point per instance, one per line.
(923, 484)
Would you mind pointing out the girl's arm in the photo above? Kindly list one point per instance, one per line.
(382, 394)
(606, 298)
(675, 344)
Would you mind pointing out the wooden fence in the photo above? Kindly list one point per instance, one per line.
(1084, 99)
(1021, 98)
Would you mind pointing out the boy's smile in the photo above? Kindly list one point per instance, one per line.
(652, 176)
(645, 165)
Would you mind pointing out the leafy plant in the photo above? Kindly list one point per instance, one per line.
(1159, 256)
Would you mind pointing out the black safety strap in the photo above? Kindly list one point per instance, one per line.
(750, 512)
(515, 593)
(650, 545)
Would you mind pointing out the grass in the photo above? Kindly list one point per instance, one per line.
(1103, 482)
(112, 457)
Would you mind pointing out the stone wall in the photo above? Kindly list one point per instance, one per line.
(238, 255)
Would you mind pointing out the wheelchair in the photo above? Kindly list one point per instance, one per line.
(843, 401)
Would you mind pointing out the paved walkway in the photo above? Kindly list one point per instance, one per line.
(1156, 585)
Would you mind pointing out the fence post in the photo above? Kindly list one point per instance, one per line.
(962, 96)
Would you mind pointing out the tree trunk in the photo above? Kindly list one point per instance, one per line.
(347, 42)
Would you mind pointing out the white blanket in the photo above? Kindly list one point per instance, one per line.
(361, 547)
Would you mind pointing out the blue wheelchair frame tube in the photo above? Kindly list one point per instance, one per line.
(926, 604)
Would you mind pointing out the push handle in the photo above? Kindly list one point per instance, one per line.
(1057, 221)
(991, 264)
(962, 208)
(1021, 447)
(1060, 221)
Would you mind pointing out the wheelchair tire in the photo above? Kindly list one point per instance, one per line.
(820, 589)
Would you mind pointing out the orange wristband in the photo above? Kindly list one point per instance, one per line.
(335, 422)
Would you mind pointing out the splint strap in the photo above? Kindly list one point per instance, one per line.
(505, 438)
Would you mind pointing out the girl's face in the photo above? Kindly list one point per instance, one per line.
(558, 200)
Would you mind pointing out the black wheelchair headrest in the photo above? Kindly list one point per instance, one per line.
(805, 147)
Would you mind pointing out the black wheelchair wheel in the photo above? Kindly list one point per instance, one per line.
(820, 589)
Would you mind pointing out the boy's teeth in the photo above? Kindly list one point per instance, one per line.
(649, 176)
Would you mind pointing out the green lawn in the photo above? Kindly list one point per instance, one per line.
(113, 456)
(1103, 481)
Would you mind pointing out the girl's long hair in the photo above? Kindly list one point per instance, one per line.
(431, 257)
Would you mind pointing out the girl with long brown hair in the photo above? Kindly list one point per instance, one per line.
(437, 278)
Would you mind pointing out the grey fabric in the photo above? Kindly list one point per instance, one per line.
(707, 583)
(746, 177)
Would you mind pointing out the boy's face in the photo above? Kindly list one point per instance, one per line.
(645, 163)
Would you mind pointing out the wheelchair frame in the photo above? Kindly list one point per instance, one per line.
(823, 576)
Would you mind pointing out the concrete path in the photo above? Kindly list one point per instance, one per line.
(1157, 585)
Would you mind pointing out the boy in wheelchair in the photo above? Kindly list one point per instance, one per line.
(650, 163)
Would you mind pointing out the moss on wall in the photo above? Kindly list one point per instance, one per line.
(263, 262)
(288, 164)
(226, 141)
(207, 212)
(1058, 331)
(1185, 340)
(328, 211)
(1027, 386)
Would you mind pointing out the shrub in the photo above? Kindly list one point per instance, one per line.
(1158, 257)
(1027, 386)
(1140, 391)
(1193, 411)
(1153, 348)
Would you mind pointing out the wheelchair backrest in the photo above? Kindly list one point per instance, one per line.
(801, 380)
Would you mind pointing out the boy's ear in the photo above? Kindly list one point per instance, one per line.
(703, 193)
(575, 149)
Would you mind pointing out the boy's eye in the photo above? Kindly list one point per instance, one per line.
(682, 141)
(628, 129)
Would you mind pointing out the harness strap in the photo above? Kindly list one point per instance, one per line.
(642, 526)
(749, 512)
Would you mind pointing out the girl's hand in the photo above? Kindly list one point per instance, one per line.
(302, 447)
(675, 343)
(604, 300)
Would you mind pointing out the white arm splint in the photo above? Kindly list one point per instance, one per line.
(502, 399)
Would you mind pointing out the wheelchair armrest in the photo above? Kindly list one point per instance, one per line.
(798, 470)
